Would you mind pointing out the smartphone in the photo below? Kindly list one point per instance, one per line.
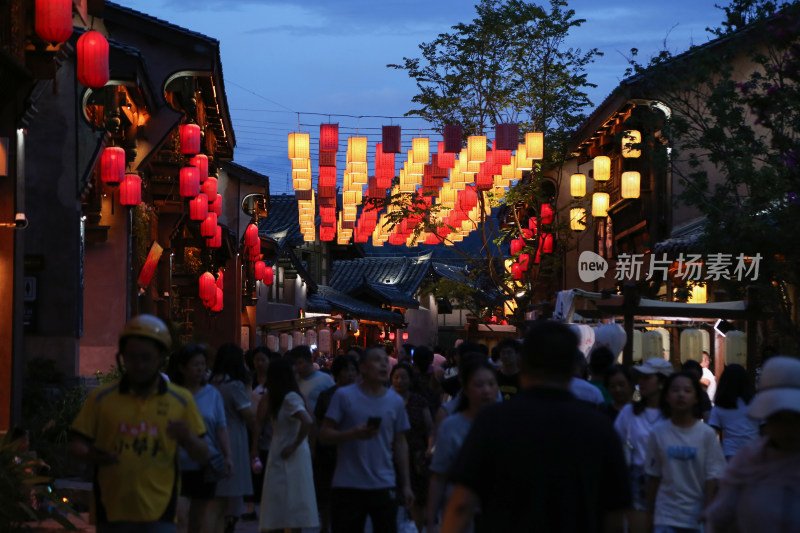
(374, 422)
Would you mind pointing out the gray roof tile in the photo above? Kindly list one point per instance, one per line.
(282, 224)
(327, 299)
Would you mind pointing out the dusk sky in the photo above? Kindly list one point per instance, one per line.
(289, 65)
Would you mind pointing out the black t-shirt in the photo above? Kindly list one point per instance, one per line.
(544, 462)
(509, 385)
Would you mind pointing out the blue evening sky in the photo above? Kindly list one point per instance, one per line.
(291, 64)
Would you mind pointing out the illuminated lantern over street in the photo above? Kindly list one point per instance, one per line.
(258, 270)
(218, 301)
(602, 168)
(54, 20)
(534, 145)
(190, 139)
(269, 275)
(516, 246)
(216, 240)
(200, 162)
(391, 139)
(577, 185)
(189, 182)
(130, 192)
(547, 214)
(216, 205)
(577, 219)
(198, 207)
(547, 243)
(630, 138)
(92, 52)
(208, 287)
(452, 138)
(208, 226)
(516, 271)
(112, 165)
(251, 235)
(210, 188)
(600, 204)
(328, 137)
(630, 185)
(524, 259)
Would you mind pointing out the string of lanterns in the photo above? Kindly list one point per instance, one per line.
(452, 177)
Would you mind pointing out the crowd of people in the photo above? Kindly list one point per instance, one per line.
(528, 436)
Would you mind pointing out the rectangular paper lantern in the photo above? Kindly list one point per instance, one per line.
(391, 139)
(357, 148)
(534, 145)
(327, 159)
(328, 137)
(506, 136)
(452, 138)
(299, 146)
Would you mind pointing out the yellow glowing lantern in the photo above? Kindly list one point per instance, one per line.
(629, 138)
(476, 149)
(420, 149)
(577, 185)
(630, 185)
(577, 219)
(522, 160)
(299, 147)
(534, 145)
(600, 204)
(602, 168)
(357, 146)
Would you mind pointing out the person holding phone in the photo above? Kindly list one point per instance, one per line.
(368, 422)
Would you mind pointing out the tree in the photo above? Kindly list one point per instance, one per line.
(509, 65)
(736, 145)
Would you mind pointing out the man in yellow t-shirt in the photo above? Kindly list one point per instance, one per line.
(131, 429)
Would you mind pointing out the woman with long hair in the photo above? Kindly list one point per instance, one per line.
(197, 507)
(729, 414)
(634, 424)
(288, 500)
(419, 416)
(231, 377)
(684, 459)
(478, 389)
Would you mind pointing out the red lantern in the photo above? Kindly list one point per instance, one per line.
(547, 213)
(216, 240)
(327, 233)
(254, 251)
(524, 259)
(218, 302)
(547, 243)
(382, 334)
(258, 270)
(211, 302)
(269, 275)
(327, 177)
(198, 207)
(391, 336)
(405, 335)
(220, 277)
(251, 235)
(190, 139)
(216, 205)
(516, 271)
(208, 226)
(207, 287)
(200, 161)
(92, 51)
(391, 140)
(210, 188)
(532, 225)
(189, 182)
(130, 192)
(54, 20)
(328, 137)
(112, 165)
(452, 138)
(516, 246)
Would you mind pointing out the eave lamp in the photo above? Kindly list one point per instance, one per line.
(629, 187)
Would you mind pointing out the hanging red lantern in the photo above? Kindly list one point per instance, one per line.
(112, 165)
(405, 335)
(327, 233)
(328, 137)
(532, 224)
(269, 275)
(189, 182)
(547, 213)
(452, 138)
(516, 271)
(391, 336)
(130, 192)
(258, 270)
(216, 240)
(210, 188)
(327, 177)
(524, 259)
(251, 235)
(198, 207)
(200, 162)
(218, 302)
(213, 300)
(92, 51)
(208, 226)
(254, 251)
(391, 139)
(54, 20)
(382, 334)
(547, 243)
(516, 246)
(207, 286)
(216, 205)
(220, 278)
(190, 139)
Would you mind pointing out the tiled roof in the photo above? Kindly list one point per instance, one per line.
(282, 224)
(684, 240)
(403, 273)
(327, 299)
(247, 175)
(388, 294)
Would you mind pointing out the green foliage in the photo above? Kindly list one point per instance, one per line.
(740, 13)
(113, 374)
(25, 493)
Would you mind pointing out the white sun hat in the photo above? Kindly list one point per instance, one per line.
(779, 388)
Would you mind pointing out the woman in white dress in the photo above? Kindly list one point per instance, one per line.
(287, 499)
